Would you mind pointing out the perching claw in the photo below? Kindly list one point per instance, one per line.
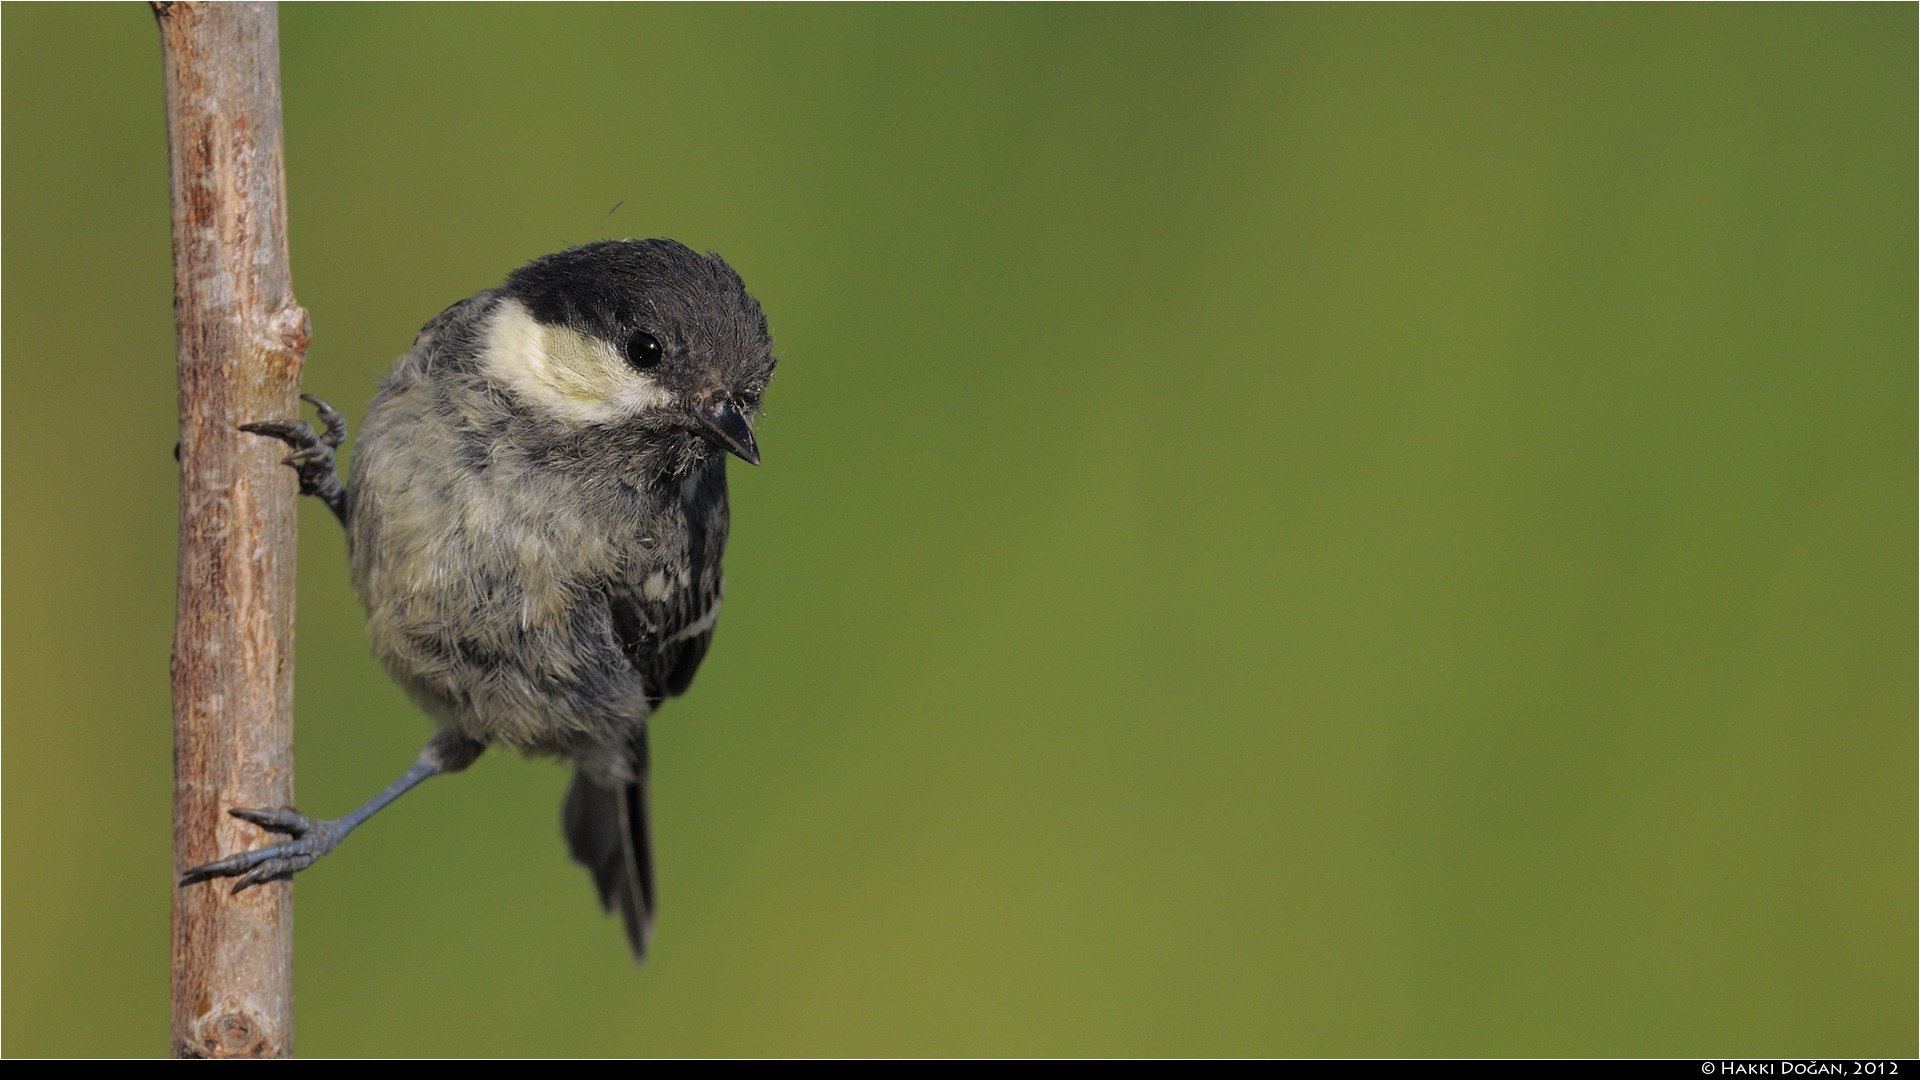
(330, 416)
(313, 839)
(312, 458)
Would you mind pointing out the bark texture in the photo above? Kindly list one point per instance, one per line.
(241, 342)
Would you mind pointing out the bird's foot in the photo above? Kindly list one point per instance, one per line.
(311, 840)
(312, 457)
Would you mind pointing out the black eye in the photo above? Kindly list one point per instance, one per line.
(643, 350)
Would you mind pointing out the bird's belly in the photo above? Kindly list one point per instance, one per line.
(490, 610)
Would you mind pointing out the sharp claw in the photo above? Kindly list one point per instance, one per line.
(265, 872)
(229, 866)
(330, 416)
(284, 820)
(295, 433)
(232, 864)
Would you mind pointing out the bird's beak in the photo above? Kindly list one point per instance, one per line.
(728, 429)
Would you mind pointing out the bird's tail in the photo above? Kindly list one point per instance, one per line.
(606, 826)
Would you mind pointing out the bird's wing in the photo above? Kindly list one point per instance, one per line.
(663, 624)
(665, 639)
(664, 636)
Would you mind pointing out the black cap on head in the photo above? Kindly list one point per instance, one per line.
(685, 318)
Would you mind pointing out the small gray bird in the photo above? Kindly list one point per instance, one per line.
(535, 518)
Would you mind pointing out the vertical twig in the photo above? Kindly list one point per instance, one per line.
(241, 341)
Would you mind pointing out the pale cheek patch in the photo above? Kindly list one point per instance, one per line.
(574, 377)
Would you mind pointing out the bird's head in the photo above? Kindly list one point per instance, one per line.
(634, 331)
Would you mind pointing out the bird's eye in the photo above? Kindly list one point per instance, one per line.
(643, 350)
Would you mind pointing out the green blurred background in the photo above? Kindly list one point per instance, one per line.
(1286, 530)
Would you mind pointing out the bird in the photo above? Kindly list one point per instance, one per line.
(535, 513)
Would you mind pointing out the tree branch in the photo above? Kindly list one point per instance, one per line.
(241, 342)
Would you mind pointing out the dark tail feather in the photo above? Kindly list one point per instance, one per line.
(607, 832)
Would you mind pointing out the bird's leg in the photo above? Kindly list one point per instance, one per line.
(313, 839)
(312, 457)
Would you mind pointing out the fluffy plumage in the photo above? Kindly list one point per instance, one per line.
(536, 516)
